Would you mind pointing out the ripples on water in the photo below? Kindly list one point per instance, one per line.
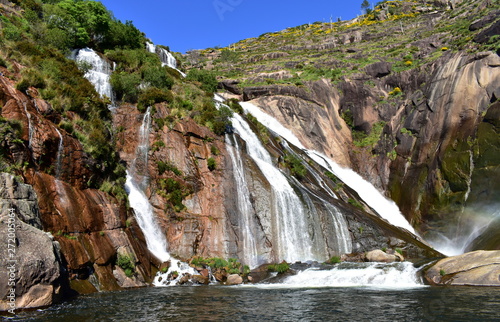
(219, 303)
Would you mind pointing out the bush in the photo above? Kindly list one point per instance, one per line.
(334, 260)
(125, 86)
(205, 77)
(153, 95)
(281, 268)
(168, 166)
(212, 164)
(126, 263)
(297, 169)
(157, 77)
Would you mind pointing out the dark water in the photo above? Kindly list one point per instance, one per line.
(219, 303)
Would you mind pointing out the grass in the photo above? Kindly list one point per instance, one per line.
(280, 268)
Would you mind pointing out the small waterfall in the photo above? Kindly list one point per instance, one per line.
(166, 58)
(60, 150)
(386, 209)
(31, 129)
(136, 183)
(98, 73)
(378, 275)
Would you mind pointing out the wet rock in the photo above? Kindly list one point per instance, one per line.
(234, 279)
(199, 279)
(479, 268)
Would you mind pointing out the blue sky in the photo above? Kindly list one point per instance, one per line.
(196, 24)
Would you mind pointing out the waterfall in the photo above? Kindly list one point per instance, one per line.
(31, 129)
(291, 240)
(251, 256)
(166, 58)
(135, 185)
(386, 209)
(60, 150)
(98, 71)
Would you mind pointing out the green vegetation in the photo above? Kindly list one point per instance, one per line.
(442, 272)
(205, 77)
(212, 164)
(174, 191)
(126, 263)
(167, 167)
(334, 260)
(360, 139)
(294, 164)
(281, 268)
(229, 266)
(355, 203)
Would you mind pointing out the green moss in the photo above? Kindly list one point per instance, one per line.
(281, 268)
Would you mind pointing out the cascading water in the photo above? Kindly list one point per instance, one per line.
(387, 209)
(30, 126)
(377, 275)
(60, 150)
(98, 73)
(250, 252)
(166, 58)
(135, 185)
(289, 223)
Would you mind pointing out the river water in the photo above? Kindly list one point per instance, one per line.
(271, 303)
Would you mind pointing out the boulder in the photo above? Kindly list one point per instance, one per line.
(234, 279)
(380, 256)
(31, 257)
(379, 69)
(479, 268)
(230, 85)
(199, 279)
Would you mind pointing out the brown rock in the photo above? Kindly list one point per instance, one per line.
(234, 279)
(199, 279)
(479, 268)
(380, 256)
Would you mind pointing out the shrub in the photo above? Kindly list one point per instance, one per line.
(281, 268)
(168, 166)
(125, 86)
(396, 91)
(157, 77)
(153, 95)
(205, 77)
(212, 164)
(126, 263)
(295, 165)
(334, 260)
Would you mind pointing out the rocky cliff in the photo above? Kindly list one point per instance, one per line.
(406, 95)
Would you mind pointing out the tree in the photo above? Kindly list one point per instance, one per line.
(365, 6)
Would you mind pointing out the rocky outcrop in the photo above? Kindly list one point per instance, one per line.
(479, 268)
(311, 113)
(31, 260)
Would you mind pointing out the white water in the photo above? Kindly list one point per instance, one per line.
(59, 154)
(166, 58)
(136, 183)
(30, 126)
(379, 275)
(387, 209)
(250, 251)
(99, 73)
(290, 228)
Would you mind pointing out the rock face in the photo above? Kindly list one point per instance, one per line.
(478, 268)
(31, 261)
